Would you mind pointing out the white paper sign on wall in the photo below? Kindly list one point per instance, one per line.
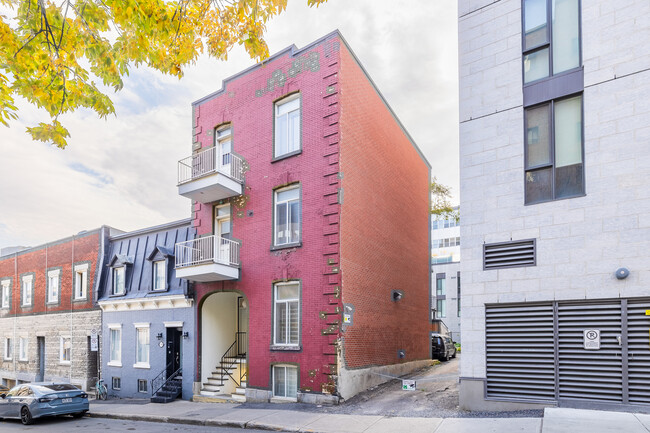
(591, 339)
(408, 385)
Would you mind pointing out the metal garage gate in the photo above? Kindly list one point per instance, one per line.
(536, 352)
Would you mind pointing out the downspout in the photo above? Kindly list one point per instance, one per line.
(71, 307)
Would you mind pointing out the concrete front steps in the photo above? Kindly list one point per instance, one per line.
(169, 392)
(212, 390)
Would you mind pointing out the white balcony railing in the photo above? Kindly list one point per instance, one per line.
(208, 162)
(209, 249)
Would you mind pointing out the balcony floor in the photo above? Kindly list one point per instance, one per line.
(211, 188)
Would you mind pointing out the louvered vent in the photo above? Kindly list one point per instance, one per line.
(520, 352)
(509, 254)
(638, 351)
(594, 375)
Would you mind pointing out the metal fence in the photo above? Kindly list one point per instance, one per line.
(209, 249)
(208, 162)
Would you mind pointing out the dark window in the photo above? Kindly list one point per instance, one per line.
(142, 385)
(458, 292)
(117, 383)
(551, 38)
(554, 150)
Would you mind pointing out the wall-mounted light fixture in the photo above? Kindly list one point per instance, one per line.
(186, 335)
(159, 336)
(396, 295)
(401, 353)
(622, 273)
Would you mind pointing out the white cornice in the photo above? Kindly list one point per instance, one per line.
(153, 303)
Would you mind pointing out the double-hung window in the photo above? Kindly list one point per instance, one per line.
(118, 280)
(53, 286)
(5, 296)
(554, 148)
(441, 296)
(27, 289)
(287, 126)
(159, 275)
(81, 281)
(8, 349)
(224, 147)
(286, 327)
(22, 349)
(287, 216)
(141, 345)
(285, 381)
(65, 350)
(115, 345)
(551, 38)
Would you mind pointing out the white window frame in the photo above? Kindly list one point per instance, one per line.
(146, 386)
(163, 264)
(296, 144)
(138, 328)
(119, 381)
(5, 296)
(23, 348)
(53, 288)
(222, 135)
(81, 273)
(8, 354)
(286, 367)
(62, 340)
(114, 362)
(276, 193)
(27, 280)
(114, 287)
(276, 319)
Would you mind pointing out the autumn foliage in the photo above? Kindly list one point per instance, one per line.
(53, 54)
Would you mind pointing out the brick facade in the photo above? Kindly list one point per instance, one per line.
(318, 262)
(69, 317)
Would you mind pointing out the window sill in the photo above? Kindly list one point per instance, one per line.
(116, 295)
(286, 155)
(280, 348)
(80, 299)
(7, 359)
(24, 361)
(142, 365)
(114, 364)
(555, 199)
(64, 362)
(52, 303)
(154, 291)
(286, 246)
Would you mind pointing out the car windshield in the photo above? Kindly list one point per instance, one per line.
(56, 387)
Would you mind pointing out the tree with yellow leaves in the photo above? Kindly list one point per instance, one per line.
(54, 53)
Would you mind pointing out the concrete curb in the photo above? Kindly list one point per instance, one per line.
(191, 421)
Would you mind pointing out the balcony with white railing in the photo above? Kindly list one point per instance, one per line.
(210, 258)
(209, 176)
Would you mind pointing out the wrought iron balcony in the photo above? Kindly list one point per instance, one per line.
(209, 176)
(210, 258)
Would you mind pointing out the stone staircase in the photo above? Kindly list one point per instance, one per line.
(170, 391)
(220, 383)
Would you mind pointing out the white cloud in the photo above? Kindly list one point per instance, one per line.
(122, 171)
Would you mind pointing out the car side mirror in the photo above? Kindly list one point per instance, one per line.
(3, 396)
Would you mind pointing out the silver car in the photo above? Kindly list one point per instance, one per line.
(35, 400)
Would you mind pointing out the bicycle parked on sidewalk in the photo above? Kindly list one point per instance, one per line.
(101, 392)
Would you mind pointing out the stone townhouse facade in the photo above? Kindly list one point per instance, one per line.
(148, 316)
(555, 192)
(48, 310)
(311, 207)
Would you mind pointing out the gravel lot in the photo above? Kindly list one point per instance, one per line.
(436, 396)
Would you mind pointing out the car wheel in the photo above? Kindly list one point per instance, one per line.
(26, 416)
(79, 414)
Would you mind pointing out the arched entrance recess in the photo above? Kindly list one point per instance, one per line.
(224, 343)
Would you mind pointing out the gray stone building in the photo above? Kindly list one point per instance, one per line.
(48, 311)
(555, 192)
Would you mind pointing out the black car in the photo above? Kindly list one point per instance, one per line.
(442, 347)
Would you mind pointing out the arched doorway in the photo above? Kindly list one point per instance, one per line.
(224, 344)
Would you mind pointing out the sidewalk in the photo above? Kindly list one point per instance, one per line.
(556, 420)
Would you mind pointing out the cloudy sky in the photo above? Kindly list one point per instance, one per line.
(122, 171)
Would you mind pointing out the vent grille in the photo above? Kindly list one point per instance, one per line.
(638, 351)
(509, 254)
(594, 375)
(520, 352)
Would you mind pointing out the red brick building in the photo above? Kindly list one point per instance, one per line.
(311, 206)
(48, 309)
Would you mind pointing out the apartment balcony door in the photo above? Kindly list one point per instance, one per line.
(224, 147)
(222, 234)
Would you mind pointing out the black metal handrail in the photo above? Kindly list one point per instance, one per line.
(235, 352)
(158, 382)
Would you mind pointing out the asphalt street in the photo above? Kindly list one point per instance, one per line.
(71, 425)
